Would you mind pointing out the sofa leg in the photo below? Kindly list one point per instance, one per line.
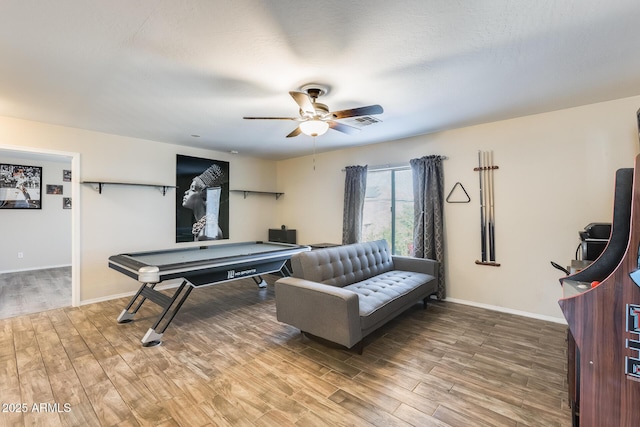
(360, 347)
(424, 303)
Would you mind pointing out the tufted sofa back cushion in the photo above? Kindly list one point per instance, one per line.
(343, 265)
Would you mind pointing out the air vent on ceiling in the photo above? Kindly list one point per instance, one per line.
(361, 121)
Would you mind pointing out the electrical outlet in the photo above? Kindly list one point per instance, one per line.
(20, 255)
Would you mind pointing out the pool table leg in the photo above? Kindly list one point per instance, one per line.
(153, 336)
(285, 270)
(147, 291)
(261, 283)
(127, 316)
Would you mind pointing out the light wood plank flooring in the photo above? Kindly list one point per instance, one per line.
(226, 361)
(27, 292)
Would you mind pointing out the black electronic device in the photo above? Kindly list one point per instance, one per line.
(592, 248)
(282, 235)
(594, 239)
(596, 230)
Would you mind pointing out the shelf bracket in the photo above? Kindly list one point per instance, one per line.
(245, 193)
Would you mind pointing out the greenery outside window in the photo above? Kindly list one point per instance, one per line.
(388, 209)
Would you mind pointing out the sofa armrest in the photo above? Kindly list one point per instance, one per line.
(418, 265)
(329, 312)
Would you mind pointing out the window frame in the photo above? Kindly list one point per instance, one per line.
(393, 208)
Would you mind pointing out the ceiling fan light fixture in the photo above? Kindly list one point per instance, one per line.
(315, 118)
(314, 127)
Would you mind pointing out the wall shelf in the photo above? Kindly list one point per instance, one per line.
(247, 192)
(101, 184)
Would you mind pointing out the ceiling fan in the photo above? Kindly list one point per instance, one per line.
(315, 118)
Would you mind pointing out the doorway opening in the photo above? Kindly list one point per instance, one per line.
(40, 263)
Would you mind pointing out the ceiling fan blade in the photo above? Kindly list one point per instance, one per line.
(271, 118)
(361, 111)
(303, 100)
(341, 127)
(297, 131)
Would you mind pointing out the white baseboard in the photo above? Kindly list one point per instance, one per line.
(176, 283)
(509, 310)
(168, 285)
(35, 268)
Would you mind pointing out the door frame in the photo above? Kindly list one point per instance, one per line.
(75, 210)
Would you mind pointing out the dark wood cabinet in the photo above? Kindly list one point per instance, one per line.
(604, 322)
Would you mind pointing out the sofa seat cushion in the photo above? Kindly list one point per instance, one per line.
(383, 295)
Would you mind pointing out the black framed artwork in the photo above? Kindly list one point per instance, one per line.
(202, 199)
(55, 189)
(20, 186)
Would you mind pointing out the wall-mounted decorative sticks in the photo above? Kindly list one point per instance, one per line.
(487, 209)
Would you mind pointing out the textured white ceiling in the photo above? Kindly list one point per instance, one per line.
(166, 69)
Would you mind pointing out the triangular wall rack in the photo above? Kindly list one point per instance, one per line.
(458, 184)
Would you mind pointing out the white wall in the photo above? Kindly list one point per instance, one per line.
(43, 236)
(128, 218)
(556, 175)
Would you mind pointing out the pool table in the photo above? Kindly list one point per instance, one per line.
(196, 266)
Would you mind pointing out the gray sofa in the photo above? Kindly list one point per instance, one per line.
(344, 293)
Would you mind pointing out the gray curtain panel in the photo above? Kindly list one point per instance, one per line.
(355, 186)
(428, 199)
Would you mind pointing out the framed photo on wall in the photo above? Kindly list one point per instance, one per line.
(54, 189)
(202, 199)
(20, 186)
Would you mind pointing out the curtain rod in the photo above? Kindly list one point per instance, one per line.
(389, 166)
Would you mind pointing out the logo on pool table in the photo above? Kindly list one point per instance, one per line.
(232, 274)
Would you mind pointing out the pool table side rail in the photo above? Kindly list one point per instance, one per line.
(128, 265)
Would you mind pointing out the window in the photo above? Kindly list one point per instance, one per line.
(388, 209)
